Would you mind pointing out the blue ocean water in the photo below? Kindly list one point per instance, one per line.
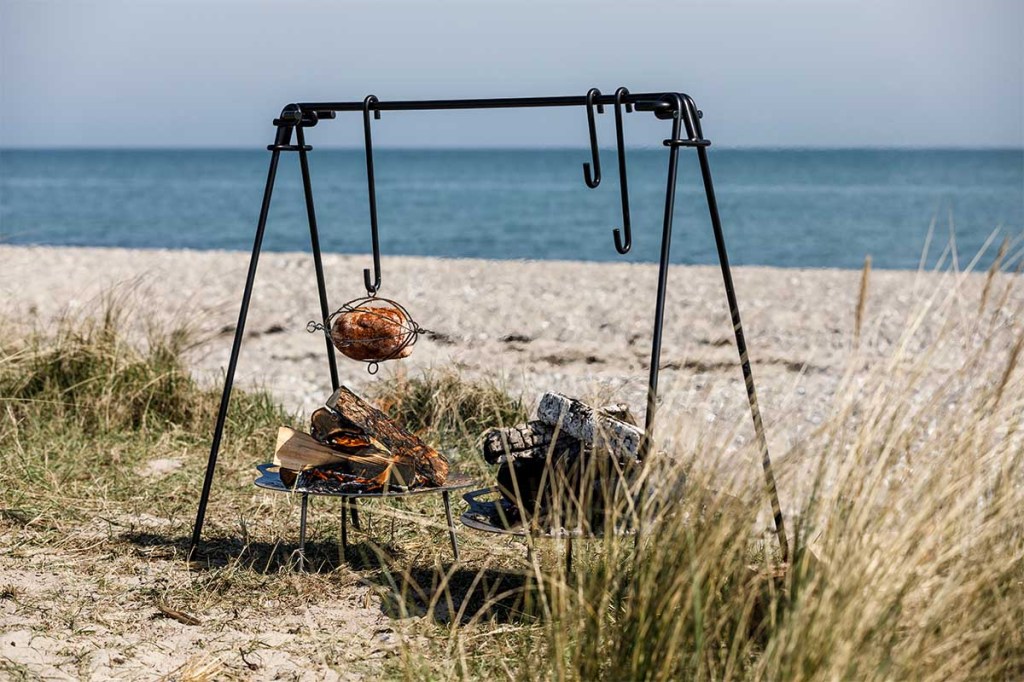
(782, 208)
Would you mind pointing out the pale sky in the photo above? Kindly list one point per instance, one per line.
(822, 73)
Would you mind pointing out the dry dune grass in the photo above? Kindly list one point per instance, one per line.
(908, 540)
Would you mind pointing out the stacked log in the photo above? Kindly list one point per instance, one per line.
(595, 426)
(564, 468)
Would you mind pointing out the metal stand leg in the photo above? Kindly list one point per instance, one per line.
(314, 240)
(344, 525)
(302, 532)
(659, 307)
(283, 136)
(741, 346)
(568, 561)
(451, 524)
(355, 514)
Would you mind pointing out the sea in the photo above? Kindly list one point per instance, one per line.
(786, 208)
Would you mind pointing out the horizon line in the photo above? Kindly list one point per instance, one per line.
(469, 148)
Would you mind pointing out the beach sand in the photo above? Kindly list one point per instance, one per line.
(579, 328)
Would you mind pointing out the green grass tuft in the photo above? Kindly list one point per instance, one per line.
(447, 408)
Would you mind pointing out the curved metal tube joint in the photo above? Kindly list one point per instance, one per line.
(686, 109)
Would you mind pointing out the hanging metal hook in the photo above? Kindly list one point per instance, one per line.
(593, 180)
(371, 285)
(620, 245)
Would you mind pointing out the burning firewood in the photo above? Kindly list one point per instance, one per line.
(365, 468)
(355, 447)
(431, 466)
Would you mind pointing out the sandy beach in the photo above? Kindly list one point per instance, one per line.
(575, 327)
(579, 328)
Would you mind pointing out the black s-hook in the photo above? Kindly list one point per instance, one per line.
(620, 245)
(371, 285)
(593, 180)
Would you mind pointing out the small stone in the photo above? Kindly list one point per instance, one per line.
(158, 468)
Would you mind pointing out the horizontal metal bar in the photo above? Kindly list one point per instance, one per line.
(492, 103)
(289, 147)
(687, 143)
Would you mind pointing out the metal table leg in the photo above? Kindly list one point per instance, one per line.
(568, 559)
(302, 532)
(344, 525)
(451, 524)
(355, 514)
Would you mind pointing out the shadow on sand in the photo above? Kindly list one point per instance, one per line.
(408, 586)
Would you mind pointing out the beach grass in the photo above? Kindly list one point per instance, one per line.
(907, 535)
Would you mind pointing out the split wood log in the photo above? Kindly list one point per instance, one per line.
(431, 466)
(533, 439)
(619, 411)
(539, 454)
(583, 422)
(296, 451)
(337, 432)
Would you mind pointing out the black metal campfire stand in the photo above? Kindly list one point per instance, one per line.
(679, 108)
(270, 479)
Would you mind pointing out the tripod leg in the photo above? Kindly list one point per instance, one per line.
(659, 307)
(318, 266)
(741, 346)
(236, 347)
(659, 316)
